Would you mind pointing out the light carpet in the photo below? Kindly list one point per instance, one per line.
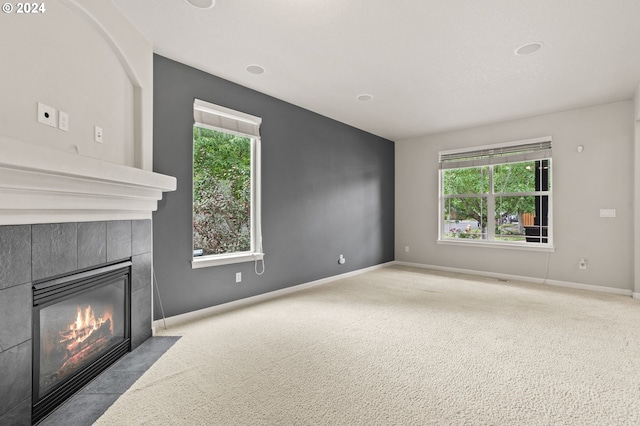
(400, 346)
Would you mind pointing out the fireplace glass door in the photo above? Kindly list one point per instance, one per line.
(76, 331)
(81, 324)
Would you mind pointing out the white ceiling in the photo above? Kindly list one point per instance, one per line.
(431, 65)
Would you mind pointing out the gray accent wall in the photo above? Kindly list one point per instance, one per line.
(327, 189)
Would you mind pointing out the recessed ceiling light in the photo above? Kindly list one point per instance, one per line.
(364, 97)
(255, 69)
(529, 48)
(202, 4)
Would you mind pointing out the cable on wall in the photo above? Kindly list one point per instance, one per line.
(260, 250)
(155, 280)
(256, 266)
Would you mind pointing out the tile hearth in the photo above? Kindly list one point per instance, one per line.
(91, 402)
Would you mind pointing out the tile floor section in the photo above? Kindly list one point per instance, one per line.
(93, 400)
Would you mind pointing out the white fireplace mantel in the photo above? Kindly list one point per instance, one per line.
(46, 185)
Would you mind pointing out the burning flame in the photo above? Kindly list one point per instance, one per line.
(84, 325)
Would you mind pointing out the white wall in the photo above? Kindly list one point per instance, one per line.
(583, 183)
(84, 58)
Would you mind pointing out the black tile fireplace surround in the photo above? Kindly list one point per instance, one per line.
(31, 253)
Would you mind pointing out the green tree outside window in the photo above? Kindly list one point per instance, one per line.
(221, 192)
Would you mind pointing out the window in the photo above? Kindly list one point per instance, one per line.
(498, 194)
(226, 186)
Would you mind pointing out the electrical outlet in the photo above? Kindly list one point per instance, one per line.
(607, 212)
(582, 264)
(63, 121)
(238, 277)
(47, 115)
(341, 260)
(97, 134)
(406, 249)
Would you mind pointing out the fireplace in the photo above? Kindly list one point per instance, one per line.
(39, 255)
(62, 212)
(81, 325)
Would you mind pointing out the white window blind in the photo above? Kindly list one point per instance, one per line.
(215, 117)
(529, 150)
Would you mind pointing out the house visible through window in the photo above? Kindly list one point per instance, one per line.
(226, 186)
(497, 194)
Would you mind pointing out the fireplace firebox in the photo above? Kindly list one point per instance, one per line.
(81, 325)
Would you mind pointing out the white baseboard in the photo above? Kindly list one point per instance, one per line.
(508, 277)
(191, 316)
(495, 275)
(590, 287)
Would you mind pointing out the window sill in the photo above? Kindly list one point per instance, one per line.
(500, 245)
(224, 259)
